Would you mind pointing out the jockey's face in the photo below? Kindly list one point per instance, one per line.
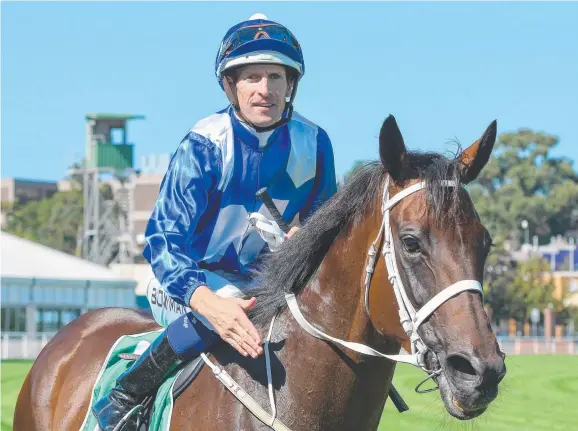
(261, 92)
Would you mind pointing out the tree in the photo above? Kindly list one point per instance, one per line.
(54, 222)
(499, 275)
(523, 181)
(57, 222)
(512, 289)
(531, 288)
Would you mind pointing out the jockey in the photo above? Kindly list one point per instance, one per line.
(199, 242)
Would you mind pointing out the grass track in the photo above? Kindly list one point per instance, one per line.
(539, 393)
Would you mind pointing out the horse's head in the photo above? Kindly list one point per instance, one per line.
(438, 241)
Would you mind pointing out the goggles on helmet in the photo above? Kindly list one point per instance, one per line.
(255, 32)
(260, 37)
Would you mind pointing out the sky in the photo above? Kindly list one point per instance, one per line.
(444, 70)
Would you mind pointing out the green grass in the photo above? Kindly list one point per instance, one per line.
(13, 375)
(538, 393)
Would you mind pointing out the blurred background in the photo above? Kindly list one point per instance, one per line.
(97, 96)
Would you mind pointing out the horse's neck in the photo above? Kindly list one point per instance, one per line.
(342, 387)
(335, 297)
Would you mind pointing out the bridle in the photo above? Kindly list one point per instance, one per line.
(410, 319)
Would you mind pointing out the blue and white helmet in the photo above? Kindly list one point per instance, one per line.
(259, 41)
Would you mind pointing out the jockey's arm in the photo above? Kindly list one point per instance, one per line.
(192, 175)
(229, 318)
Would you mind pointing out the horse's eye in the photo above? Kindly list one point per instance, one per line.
(411, 244)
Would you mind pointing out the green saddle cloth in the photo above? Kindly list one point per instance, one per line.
(114, 366)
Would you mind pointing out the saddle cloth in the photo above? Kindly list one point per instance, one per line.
(158, 410)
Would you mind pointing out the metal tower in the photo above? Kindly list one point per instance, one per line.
(107, 230)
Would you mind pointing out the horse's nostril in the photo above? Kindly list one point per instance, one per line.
(462, 367)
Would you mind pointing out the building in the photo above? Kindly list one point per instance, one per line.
(21, 191)
(147, 184)
(141, 273)
(44, 289)
(562, 257)
(565, 286)
(146, 191)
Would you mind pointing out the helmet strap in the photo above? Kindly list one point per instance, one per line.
(231, 92)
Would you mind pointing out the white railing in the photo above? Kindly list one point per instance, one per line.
(18, 345)
(539, 345)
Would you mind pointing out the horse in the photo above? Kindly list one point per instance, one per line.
(436, 240)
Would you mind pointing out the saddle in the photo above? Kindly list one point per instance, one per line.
(189, 373)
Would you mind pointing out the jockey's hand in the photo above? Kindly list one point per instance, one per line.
(292, 231)
(229, 317)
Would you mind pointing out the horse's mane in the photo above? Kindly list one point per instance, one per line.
(289, 269)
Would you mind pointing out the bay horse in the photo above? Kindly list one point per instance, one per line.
(436, 240)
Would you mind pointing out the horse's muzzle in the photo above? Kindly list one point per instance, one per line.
(469, 384)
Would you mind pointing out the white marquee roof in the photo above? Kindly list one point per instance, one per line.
(21, 258)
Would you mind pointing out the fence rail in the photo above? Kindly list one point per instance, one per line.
(538, 345)
(22, 346)
(26, 346)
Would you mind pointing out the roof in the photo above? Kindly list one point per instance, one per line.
(29, 180)
(21, 258)
(107, 116)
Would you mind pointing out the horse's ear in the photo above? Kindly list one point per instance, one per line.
(391, 147)
(475, 157)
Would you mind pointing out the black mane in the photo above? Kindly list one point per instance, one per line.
(289, 269)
